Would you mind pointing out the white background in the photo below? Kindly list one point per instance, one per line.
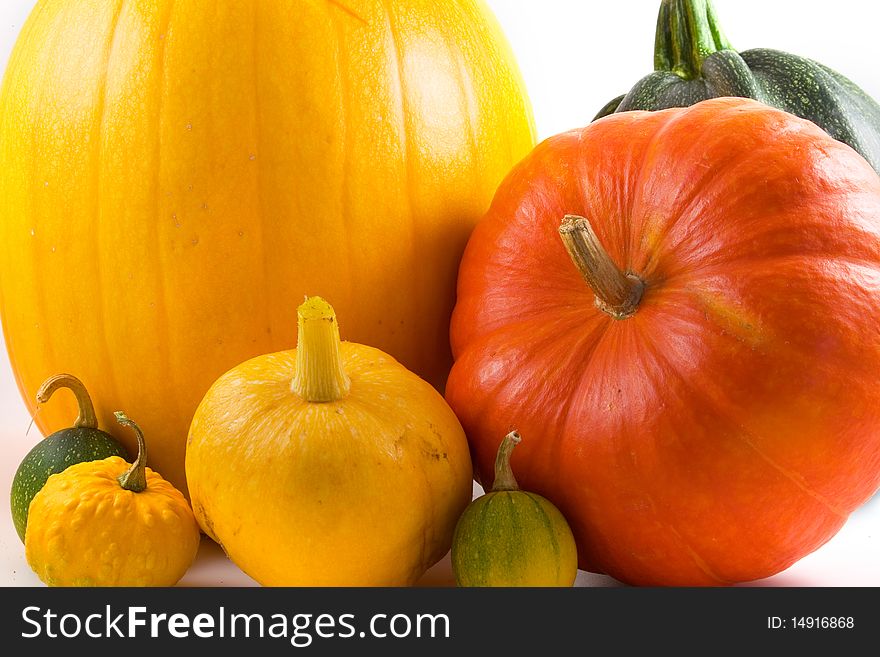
(575, 55)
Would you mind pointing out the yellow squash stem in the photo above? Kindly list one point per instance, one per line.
(86, 418)
(319, 375)
(135, 478)
(504, 479)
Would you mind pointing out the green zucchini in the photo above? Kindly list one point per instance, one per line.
(694, 61)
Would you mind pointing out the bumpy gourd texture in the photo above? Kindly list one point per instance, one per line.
(84, 529)
(364, 491)
(52, 455)
(513, 538)
(177, 175)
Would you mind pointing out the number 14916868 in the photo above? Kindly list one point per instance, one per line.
(811, 622)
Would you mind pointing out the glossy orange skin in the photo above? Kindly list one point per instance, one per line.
(176, 176)
(731, 425)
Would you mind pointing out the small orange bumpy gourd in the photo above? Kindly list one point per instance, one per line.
(103, 523)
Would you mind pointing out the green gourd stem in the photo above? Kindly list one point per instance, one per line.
(319, 376)
(135, 478)
(504, 479)
(86, 418)
(617, 293)
(687, 33)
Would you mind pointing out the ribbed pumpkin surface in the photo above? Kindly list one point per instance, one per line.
(177, 175)
(730, 424)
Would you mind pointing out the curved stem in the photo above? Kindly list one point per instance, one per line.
(135, 478)
(319, 376)
(86, 418)
(617, 293)
(504, 479)
(687, 33)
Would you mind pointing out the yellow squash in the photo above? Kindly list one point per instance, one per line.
(176, 176)
(327, 465)
(105, 523)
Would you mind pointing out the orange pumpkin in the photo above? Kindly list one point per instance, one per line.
(698, 357)
(178, 175)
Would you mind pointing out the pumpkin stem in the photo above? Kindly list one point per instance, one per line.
(687, 33)
(135, 478)
(617, 293)
(319, 375)
(504, 479)
(86, 418)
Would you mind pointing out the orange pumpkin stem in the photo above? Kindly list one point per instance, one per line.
(504, 479)
(86, 418)
(617, 293)
(135, 478)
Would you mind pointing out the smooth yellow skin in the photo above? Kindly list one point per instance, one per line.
(364, 491)
(176, 176)
(84, 529)
(513, 538)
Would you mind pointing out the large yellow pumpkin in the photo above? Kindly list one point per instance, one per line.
(176, 176)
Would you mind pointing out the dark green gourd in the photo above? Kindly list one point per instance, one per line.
(693, 61)
(81, 442)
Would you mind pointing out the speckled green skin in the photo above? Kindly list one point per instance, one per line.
(694, 62)
(55, 454)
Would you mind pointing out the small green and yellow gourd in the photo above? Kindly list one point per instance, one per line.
(511, 537)
(84, 441)
(105, 523)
